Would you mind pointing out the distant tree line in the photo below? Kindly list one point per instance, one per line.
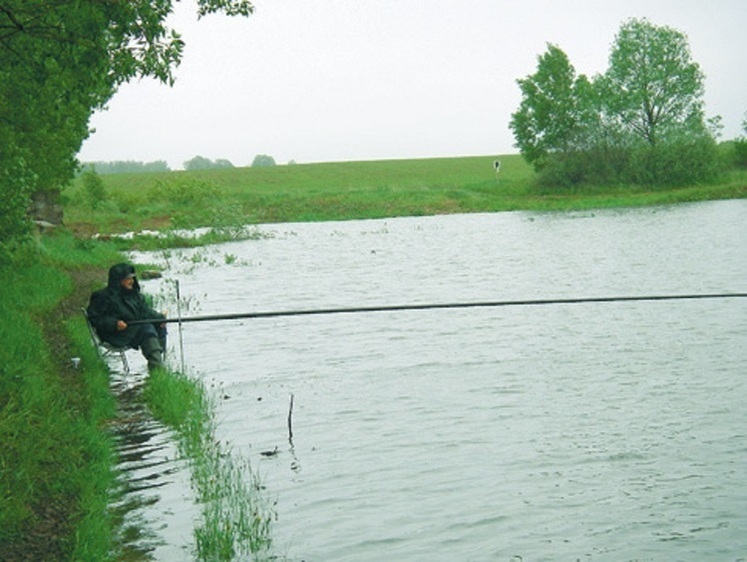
(125, 167)
(642, 122)
(196, 163)
(202, 163)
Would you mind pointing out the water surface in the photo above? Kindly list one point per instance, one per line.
(594, 432)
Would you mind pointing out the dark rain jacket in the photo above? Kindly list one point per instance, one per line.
(114, 303)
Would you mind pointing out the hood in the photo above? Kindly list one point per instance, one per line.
(119, 272)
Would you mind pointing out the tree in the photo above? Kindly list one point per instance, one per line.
(263, 161)
(652, 89)
(641, 122)
(222, 163)
(550, 115)
(202, 163)
(198, 163)
(60, 61)
(125, 167)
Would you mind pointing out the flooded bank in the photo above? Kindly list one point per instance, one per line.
(152, 505)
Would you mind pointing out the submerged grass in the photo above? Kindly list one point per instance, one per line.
(236, 521)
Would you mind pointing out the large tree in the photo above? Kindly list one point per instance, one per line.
(640, 122)
(550, 114)
(59, 62)
(653, 89)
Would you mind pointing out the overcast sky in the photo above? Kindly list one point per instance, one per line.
(335, 80)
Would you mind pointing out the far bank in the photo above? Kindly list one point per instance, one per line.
(347, 190)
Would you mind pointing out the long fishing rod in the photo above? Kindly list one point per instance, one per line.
(405, 307)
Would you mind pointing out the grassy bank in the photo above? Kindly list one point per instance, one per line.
(348, 190)
(56, 457)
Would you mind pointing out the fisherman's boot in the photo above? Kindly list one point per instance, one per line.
(153, 353)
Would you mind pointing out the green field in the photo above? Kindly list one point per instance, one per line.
(347, 190)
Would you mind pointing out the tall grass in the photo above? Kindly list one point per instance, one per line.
(236, 521)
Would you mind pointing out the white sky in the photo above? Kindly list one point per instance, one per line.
(335, 80)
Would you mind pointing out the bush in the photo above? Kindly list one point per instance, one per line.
(676, 164)
(93, 187)
(17, 183)
(740, 152)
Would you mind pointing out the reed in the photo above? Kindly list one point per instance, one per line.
(236, 521)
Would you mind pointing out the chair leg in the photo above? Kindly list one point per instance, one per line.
(125, 364)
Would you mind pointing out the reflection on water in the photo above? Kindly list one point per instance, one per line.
(151, 502)
(602, 432)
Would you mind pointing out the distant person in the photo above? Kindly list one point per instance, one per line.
(112, 308)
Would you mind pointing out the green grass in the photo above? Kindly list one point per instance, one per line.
(349, 190)
(236, 520)
(56, 458)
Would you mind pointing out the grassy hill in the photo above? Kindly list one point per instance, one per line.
(345, 190)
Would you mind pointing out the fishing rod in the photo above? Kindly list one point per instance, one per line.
(441, 306)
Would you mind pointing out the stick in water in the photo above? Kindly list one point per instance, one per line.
(290, 423)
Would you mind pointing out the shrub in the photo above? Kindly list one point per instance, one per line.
(676, 164)
(93, 187)
(740, 152)
(679, 163)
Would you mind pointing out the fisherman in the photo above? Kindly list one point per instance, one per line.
(110, 309)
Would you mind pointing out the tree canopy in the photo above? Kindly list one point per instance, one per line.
(548, 117)
(263, 161)
(59, 62)
(642, 121)
(125, 167)
(202, 163)
(652, 87)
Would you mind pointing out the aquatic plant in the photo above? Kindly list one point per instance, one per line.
(236, 520)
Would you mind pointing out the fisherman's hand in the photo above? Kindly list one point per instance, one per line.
(121, 325)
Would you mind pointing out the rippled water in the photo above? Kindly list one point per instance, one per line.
(152, 505)
(594, 432)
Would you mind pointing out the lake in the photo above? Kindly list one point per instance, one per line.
(599, 431)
